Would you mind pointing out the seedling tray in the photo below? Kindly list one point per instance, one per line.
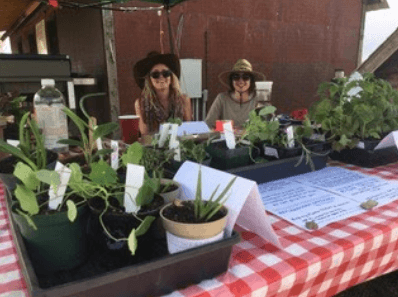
(109, 274)
(273, 170)
(366, 158)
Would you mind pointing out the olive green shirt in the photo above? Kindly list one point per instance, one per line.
(227, 107)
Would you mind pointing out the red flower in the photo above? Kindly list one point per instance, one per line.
(53, 3)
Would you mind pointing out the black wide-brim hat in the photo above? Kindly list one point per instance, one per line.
(142, 67)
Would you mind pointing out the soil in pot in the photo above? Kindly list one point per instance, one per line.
(183, 212)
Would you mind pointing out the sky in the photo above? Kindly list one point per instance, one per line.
(379, 25)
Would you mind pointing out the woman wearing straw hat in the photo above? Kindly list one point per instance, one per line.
(240, 99)
(161, 98)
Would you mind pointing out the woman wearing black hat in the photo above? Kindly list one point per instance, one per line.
(161, 98)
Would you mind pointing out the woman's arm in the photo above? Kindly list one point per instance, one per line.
(142, 125)
(187, 108)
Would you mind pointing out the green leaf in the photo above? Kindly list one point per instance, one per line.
(27, 199)
(76, 174)
(16, 152)
(26, 175)
(72, 210)
(49, 177)
(145, 194)
(133, 154)
(104, 130)
(267, 110)
(27, 218)
(103, 174)
(144, 226)
(132, 242)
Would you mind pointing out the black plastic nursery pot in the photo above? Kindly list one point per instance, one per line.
(277, 169)
(272, 152)
(366, 158)
(224, 158)
(57, 244)
(107, 274)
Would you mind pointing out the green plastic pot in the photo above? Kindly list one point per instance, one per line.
(57, 244)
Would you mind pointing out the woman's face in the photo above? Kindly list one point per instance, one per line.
(160, 76)
(241, 82)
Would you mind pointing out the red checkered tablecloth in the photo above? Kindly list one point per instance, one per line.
(319, 263)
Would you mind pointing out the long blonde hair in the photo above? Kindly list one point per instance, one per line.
(152, 111)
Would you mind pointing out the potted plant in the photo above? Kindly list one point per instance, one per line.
(356, 112)
(30, 151)
(11, 105)
(196, 219)
(55, 238)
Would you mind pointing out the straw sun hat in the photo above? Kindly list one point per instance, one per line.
(242, 65)
(142, 67)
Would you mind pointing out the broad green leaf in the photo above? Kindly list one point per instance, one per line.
(49, 177)
(132, 242)
(267, 110)
(76, 174)
(16, 152)
(26, 175)
(103, 174)
(104, 130)
(72, 210)
(144, 226)
(27, 218)
(133, 154)
(27, 199)
(145, 195)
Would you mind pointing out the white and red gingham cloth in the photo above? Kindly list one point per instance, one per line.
(319, 263)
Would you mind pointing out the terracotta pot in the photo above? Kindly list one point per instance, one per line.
(194, 230)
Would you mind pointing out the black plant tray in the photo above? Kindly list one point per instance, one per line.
(273, 170)
(366, 158)
(111, 274)
(223, 158)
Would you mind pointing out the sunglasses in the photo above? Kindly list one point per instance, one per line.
(237, 76)
(157, 74)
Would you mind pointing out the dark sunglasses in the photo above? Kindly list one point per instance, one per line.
(157, 74)
(237, 76)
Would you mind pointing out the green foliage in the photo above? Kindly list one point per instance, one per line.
(206, 209)
(31, 152)
(192, 151)
(260, 129)
(347, 119)
(86, 143)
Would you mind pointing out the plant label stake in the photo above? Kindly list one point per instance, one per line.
(115, 154)
(99, 146)
(290, 136)
(13, 142)
(163, 134)
(57, 195)
(134, 181)
(174, 143)
(229, 135)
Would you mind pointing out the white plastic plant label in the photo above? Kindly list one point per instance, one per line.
(134, 181)
(56, 198)
(290, 136)
(13, 142)
(270, 151)
(99, 144)
(229, 135)
(115, 154)
(361, 145)
(164, 133)
(175, 145)
(173, 132)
